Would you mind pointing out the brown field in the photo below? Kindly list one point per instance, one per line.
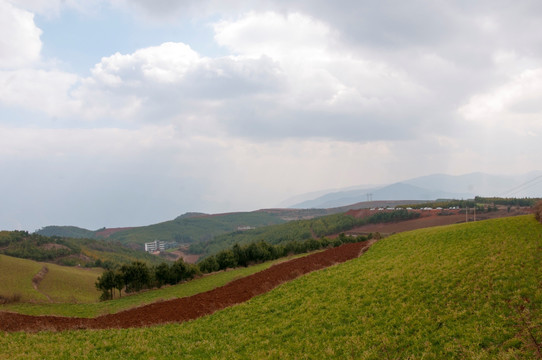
(428, 218)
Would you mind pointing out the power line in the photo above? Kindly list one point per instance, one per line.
(526, 185)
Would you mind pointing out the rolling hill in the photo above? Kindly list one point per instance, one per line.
(461, 291)
(70, 251)
(55, 284)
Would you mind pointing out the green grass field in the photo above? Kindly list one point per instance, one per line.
(61, 283)
(16, 278)
(71, 285)
(469, 291)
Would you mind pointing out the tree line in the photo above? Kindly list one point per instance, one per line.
(298, 230)
(257, 252)
(138, 275)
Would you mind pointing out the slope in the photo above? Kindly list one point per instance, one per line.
(462, 291)
(56, 283)
(70, 251)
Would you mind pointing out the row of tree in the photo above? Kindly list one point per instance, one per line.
(299, 230)
(256, 252)
(137, 276)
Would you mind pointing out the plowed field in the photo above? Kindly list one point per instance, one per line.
(188, 308)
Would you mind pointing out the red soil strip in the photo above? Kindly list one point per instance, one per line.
(192, 307)
(407, 225)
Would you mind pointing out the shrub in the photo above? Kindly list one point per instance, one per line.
(13, 298)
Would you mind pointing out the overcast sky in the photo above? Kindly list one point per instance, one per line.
(122, 113)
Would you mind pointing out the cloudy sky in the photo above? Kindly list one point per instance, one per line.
(122, 113)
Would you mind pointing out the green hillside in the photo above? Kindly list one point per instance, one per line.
(16, 278)
(201, 228)
(59, 283)
(464, 291)
(190, 227)
(70, 251)
(297, 230)
(67, 232)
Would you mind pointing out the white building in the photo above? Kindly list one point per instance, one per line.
(156, 245)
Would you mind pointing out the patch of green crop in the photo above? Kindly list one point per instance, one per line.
(16, 278)
(70, 284)
(468, 291)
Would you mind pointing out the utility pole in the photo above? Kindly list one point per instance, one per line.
(467, 213)
(474, 212)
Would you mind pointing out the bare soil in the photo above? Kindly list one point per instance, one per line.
(38, 278)
(187, 258)
(192, 307)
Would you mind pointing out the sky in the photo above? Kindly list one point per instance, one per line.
(125, 113)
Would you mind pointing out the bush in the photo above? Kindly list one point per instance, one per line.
(9, 299)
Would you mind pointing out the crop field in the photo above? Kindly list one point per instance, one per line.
(70, 285)
(16, 278)
(60, 283)
(196, 286)
(462, 291)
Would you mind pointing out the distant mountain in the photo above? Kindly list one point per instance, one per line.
(397, 191)
(432, 187)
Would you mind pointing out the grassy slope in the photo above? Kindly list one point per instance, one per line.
(186, 289)
(63, 284)
(16, 278)
(71, 285)
(452, 292)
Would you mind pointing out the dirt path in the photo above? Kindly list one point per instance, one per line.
(188, 308)
(37, 279)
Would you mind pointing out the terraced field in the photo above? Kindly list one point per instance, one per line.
(461, 291)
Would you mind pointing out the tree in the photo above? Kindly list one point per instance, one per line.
(118, 279)
(240, 255)
(209, 264)
(226, 259)
(136, 276)
(162, 274)
(106, 283)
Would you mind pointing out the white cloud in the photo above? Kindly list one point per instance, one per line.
(297, 84)
(53, 8)
(20, 43)
(514, 106)
(167, 63)
(292, 35)
(45, 91)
